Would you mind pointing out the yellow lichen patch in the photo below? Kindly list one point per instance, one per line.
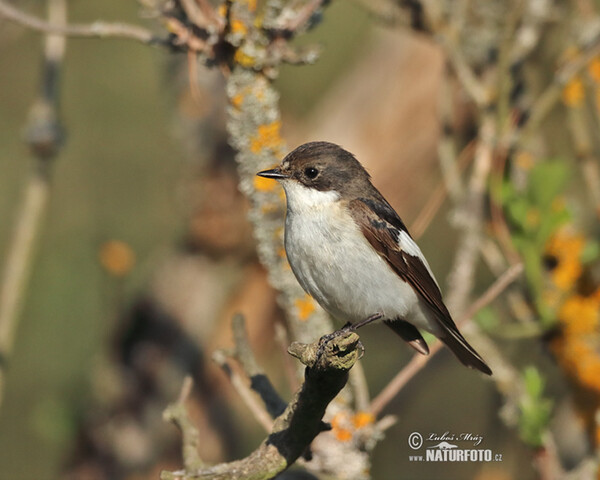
(343, 435)
(263, 184)
(573, 92)
(305, 306)
(117, 258)
(579, 315)
(238, 27)
(237, 100)
(268, 136)
(243, 59)
(363, 419)
(594, 69)
(338, 420)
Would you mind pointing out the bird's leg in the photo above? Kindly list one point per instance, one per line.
(362, 323)
(350, 327)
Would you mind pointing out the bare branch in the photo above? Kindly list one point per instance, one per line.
(327, 361)
(94, 30)
(177, 414)
(259, 382)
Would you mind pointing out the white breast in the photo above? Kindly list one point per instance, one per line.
(335, 264)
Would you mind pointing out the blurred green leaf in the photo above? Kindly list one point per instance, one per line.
(546, 181)
(535, 409)
(591, 251)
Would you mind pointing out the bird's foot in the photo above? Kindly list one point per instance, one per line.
(362, 323)
(347, 328)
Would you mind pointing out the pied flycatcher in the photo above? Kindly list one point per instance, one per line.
(352, 253)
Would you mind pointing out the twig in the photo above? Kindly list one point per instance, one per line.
(259, 382)
(419, 361)
(94, 30)
(44, 139)
(177, 414)
(436, 199)
(327, 364)
(245, 393)
(548, 99)
(463, 269)
(301, 18)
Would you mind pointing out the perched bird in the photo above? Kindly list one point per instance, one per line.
(352, 253)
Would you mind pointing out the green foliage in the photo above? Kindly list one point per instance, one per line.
(534, 214)
(535, 410)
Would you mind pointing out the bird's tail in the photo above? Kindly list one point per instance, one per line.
(463, 351)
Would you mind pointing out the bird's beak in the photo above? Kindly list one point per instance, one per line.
(274, 173)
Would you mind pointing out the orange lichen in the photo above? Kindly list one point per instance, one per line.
(342, 434)
(573, 92)
(362, 419)
(117, 257)
(237, 26)
(268, 136)
(237, 100)
(338, 420)
(305, 307)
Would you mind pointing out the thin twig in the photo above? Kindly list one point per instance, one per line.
(44, 138)
(419, 361)
(548, 99)
(462, 273)
(177, 414)
(246, 394)
(259, 382)
(300, 19)
(94, 30)
(436, 199)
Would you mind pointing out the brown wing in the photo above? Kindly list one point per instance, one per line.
(384, 238)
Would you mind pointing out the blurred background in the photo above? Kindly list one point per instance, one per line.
(145, 252)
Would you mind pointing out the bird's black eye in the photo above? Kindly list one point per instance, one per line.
(311, 172)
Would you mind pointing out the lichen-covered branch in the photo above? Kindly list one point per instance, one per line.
(328, 362)
(254, 126)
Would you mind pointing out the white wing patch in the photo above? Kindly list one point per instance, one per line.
(409, 246)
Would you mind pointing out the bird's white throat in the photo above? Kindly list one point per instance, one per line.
(301, 198)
